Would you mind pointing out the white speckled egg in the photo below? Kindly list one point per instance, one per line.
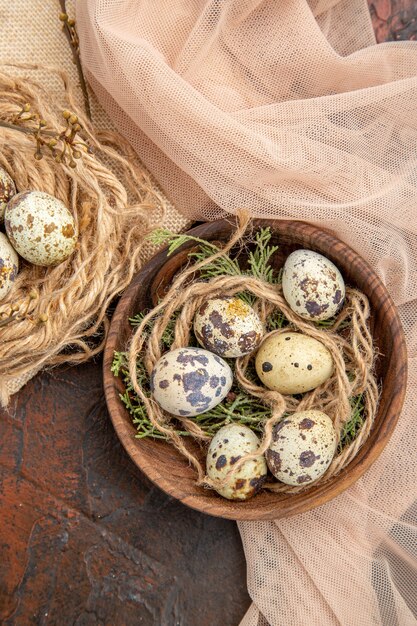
(228, 445)
(40, 228)
(302, 448)
(190, 381)
(312, 285)
(9, 266)
(7, 191)
(292, 362)
(228, 326)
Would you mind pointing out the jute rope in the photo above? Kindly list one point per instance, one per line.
(113, 207)
(352, 351)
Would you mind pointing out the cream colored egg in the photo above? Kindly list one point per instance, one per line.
(302, 447)
(312, 285)
(228, 326)
(40, 228)
(293, 363)
(7, 191)
(9, 266)
(190, 381)
(228, 445)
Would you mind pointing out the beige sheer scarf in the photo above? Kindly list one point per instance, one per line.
(290, 109)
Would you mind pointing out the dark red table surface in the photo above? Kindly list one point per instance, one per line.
(85, 538)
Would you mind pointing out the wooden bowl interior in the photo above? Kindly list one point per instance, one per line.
(165, 466)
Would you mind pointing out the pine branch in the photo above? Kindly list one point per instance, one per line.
(260, 258)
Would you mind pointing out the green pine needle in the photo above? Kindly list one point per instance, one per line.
(353, 426)
(168, 334)
(260, 258)
(162, 235)
(276, 321)
(119, 361)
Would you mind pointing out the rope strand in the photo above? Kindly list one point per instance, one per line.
(114, 210)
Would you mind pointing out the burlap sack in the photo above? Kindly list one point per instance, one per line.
(34, 35)
(289, 109)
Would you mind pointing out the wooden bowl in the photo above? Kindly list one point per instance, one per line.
(167, 468)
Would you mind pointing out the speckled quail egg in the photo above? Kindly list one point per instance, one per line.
(228, 326)
(40, 228)
(303, 446)
(312, 285)
(190, 381)
(9, 266)
(292, 362)
(7, 191)
(228, 445)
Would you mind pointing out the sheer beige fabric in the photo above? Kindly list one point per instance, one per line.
(290, 109)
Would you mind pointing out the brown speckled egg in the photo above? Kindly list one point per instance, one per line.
(312, 285)
(228, 326)
(303, 446)
(228, 445)
(190, 381)
(7, 191)
(293, 363)
(40, 228)
(9, 266)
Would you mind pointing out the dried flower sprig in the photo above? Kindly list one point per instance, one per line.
(68, 26)
(19, 311)
(65, 146)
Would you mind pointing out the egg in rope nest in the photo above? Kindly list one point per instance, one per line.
(38, 227)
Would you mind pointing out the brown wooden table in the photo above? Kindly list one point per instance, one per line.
(84, 537)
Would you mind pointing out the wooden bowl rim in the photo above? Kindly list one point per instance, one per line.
(316, 496)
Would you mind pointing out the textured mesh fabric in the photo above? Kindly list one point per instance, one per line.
(290, 109)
